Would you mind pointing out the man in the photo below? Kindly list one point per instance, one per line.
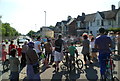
(48, 52)
(37, 46)
(58, 52)
(103, 43)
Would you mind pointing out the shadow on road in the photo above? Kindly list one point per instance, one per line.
(68, 76)
(91, 73)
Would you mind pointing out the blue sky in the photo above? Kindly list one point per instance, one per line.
(26, 15)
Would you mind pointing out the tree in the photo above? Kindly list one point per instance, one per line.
(31, 33)
(7, 30)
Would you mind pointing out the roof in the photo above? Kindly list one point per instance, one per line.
(70, 21)
(89, 17)
(58, 24)
(64, 22)
(111, 14)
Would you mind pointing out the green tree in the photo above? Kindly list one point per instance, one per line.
(7, 30)
(31, 33)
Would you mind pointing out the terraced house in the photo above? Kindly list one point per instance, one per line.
(90, 23)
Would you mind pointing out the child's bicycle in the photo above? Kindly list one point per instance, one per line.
(110, 66)
(69, 64)
(6, 65)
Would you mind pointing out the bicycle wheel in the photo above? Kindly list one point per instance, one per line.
(79, 63)
(6, 65)
(115, 79)
(63, 67)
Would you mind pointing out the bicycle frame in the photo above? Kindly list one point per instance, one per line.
(109, 69)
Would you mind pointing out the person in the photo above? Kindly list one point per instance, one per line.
(58, 52)
(103, 44)
(48, 52)
(93, 49)
(23, 51)
(69, 40)
(11, 46)
(118, 43)
(86, 49)
(31, 61)
(19, 49)
(37, 46)
(72, 50)
(4, 53)
(14, 65)
(113, 38)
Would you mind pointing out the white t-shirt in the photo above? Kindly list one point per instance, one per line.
(36, 46)
(92, 44)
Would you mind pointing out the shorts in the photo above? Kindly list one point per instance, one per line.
(58, 56)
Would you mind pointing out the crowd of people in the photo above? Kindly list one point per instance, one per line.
(30, 53)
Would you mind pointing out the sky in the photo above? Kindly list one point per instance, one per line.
(26, 15)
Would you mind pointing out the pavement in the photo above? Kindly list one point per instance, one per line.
(91, 73)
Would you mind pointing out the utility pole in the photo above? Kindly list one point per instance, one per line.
(45, 18)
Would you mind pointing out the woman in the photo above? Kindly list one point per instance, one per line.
(32, 61)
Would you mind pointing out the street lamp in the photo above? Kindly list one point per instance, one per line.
(45, 18)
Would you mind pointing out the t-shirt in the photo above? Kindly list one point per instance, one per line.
(92, 44)
(19, 51)
(48, 47)
(86, 47)
(103, 42)
(4, 53)
(36, 46)
(71, 50)
(11, 46)
(58, 45)
(14, 64)
(31, 56)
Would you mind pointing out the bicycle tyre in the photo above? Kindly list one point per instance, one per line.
(6, 65)
(115, 79)
(79, 63)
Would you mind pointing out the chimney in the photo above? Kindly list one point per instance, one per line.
(113, 7)
(83, 14)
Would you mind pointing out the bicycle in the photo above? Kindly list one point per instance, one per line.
(110, 66)
(69, 64)
(6, 65)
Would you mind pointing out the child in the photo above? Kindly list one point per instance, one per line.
(4, 53)
(93, 50)
(14, 66)
(19, 51)
(72, 50)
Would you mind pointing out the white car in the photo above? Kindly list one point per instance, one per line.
(22, 40)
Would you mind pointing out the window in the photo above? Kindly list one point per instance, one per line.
(90, 32)
(98, 22)
(90, 23)
(78, 24)
(109, 22)
(102, 23)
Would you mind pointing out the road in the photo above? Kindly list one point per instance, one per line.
(91, 73)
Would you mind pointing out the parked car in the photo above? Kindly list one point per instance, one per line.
(22, 40)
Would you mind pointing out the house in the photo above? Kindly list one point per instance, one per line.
(89, 23)
(92, 22)
(47, 31)
(61, 27)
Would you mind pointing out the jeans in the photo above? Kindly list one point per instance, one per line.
(14, 76)
(102, 60)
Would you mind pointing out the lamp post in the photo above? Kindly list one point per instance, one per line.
(45, 18)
